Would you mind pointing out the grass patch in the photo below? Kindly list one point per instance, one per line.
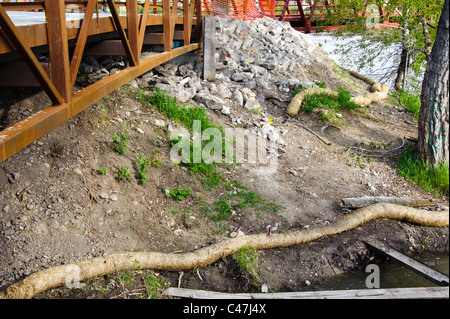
(209, 173)
(180, 193)
(409, 101)
(247, 260)
(239, 199)
(432, 179)
(326, 101)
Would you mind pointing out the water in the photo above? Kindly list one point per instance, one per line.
(392, 275)
(384, 66)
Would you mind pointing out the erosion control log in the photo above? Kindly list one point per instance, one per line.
(60, 275)
(377, 93)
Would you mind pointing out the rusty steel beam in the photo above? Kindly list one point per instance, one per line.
(133, 28)
(81, 41)
(55, 12)
(122, 34)
(36, 34)
(143, 26)
(15, 38)
(22, 134)
(166, 25)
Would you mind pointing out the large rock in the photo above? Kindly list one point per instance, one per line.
(210, 101)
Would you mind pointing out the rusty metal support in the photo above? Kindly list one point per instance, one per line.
(81, 41)
(16, 39)
(166, 26)
(143, 26)
(122, 34)
(20, 135)
(55, 12)
(133, 29)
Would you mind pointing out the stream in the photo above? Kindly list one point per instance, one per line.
(392, 275)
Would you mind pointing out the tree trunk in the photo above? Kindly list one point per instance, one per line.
(401, 70)
(433, 119)
(404, 57)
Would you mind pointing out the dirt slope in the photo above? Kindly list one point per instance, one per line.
(56, 208)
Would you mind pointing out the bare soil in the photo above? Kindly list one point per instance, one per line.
(56, 208)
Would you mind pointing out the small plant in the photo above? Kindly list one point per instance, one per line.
(153, 285)
(247, 259)
(123, 277)
(120, 144)
(180, 193)
(322, 85)
(294, 92)
(144, 163)
(102, 171)
(124, 173)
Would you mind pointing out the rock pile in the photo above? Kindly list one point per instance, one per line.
(255, 61)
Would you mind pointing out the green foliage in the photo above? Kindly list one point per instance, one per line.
(322, 85)
(247, 259)
(409, 101)
(326, 101)
(294, 92)
(240, 199)
(144, 163)
(209, 173)
(432, 179)
(180, 193)
(124, 173)
(153, 285)
(372, 43)
(102, 171)
(119, 141)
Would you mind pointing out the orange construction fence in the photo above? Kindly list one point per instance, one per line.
(241, 9)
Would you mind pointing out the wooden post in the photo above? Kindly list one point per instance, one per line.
(55, 11)
(187, 18)
(198, 18)
(166, 26)
(133, 28)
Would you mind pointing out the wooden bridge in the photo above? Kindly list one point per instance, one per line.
(67, 30)
(310, 15)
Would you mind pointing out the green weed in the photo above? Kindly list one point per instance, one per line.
(432, 179)
(144, 163)
(180, 193)
(247, 259)
(119, 141)
(102, 171)
(409, 101)
(124, 173)
(153, 285)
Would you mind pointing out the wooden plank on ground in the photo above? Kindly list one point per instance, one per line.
(391, 293)
(429, 273)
